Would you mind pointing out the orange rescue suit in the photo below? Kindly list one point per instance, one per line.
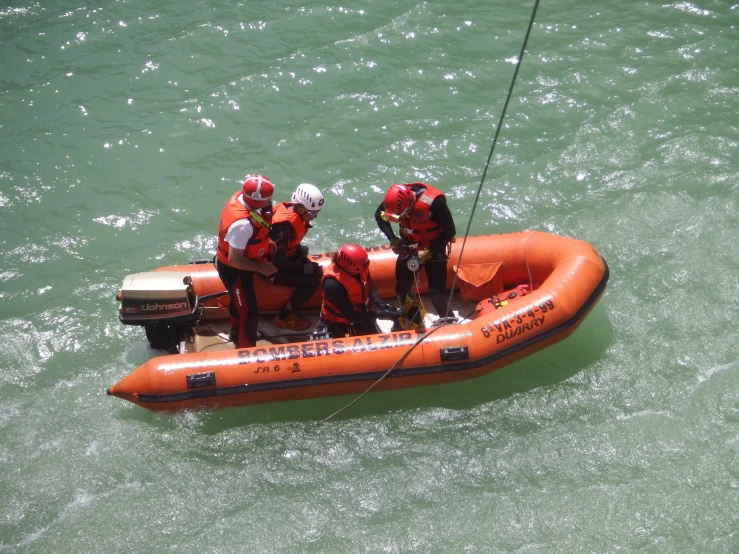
(300, 227)
(257, 248)
(417, 227)
(358, 292)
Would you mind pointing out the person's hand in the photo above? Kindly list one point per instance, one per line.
(272, 248)
(424, 256)
(390, 312)
(397, 245)
(267, 269)
(312, 268)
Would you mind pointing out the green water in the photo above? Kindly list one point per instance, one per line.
(125, 125)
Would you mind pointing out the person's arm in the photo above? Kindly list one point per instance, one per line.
(384, 226)
(237, 237)
(237, 259)
(385, 310)
(439, 212)
(380, 303)
(281, 233)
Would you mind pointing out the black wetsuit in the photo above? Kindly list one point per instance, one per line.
(362, 323)
(435, 267)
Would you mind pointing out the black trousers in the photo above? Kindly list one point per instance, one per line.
(435, 269)
(243, 309)
(304, 285)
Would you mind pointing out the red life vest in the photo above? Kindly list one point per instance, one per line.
(300, 227)
(417, 228)
(358, 293)
(258, 246)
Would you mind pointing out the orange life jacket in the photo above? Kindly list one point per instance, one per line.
(300, 227)
(258, 246)
(357, 291)
(417, 228)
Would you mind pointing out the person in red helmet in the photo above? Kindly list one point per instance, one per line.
(243, 250)
(426, 229)
(349, 293)
(290, 223)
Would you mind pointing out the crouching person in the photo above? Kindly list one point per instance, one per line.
(349, 294)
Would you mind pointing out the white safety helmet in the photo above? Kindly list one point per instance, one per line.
(308, 196)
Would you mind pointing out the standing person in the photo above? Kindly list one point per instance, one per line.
(243, 248)
(349, 293)
(426, 226)
(290, 223)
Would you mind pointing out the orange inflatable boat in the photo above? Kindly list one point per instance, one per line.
(514, 294)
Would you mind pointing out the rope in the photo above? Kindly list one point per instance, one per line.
(469, 224)
(403, 357)
(492, 148)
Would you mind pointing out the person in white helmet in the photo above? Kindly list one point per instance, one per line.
(290, 223)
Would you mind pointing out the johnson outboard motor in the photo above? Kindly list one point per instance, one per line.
(164, 303)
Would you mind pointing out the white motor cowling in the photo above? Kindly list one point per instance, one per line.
(162, 302)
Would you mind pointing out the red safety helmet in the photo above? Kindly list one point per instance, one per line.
(398, 199)
(352, 258)
(257, 190)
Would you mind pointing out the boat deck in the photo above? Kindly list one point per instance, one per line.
(212, 335)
